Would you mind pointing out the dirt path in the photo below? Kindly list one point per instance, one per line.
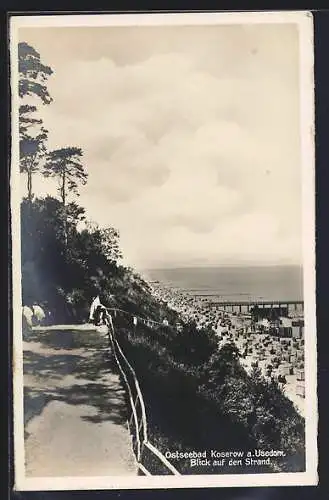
(74, 406)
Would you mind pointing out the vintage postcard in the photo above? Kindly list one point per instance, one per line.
(163, 235)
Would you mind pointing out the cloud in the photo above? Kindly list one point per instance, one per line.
(190, 156)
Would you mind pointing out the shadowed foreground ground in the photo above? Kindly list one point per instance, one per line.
(74, 406)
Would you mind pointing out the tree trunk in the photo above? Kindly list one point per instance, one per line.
(63, 188)
(29, 185)
(29, 179)
(64, 206)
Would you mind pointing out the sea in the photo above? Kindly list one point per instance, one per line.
(263, 283)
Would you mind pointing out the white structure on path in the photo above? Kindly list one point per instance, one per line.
(28, 315)
(95, 303)
(38, 313)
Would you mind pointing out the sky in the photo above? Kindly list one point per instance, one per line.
(190, 135)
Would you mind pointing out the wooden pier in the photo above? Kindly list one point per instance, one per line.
(246, 306)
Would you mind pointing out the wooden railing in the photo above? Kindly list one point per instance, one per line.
(137, 421)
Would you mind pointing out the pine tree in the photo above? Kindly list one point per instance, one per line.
(65, 165)
(33, 75)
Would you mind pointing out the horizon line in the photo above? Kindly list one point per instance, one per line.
(213, 266)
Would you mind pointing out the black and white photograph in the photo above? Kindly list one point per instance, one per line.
(163, 239)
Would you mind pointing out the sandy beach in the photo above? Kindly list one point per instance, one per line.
(275, 356)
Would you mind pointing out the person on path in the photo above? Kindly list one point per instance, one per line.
(100, 316)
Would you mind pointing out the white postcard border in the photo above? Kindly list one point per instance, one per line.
(309, 477)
